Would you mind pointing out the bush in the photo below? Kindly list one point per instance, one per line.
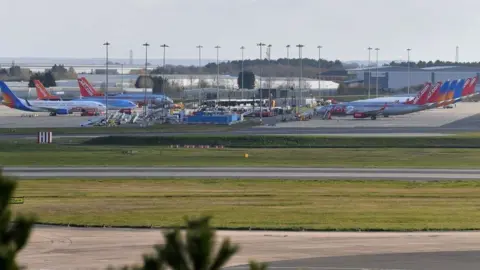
(13, 235)
(291, 141)
(195, 251)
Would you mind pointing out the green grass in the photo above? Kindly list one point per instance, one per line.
(286, 141)
(264, 204)
(58, 155)
(128, 129)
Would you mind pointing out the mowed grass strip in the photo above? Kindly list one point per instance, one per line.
(263, 204)
(129, 129)
(63, 155)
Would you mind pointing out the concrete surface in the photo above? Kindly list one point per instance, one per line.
(448, 260)
(240, 172)
(429, 118)
(92, 248)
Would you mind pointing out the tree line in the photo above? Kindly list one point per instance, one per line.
(437, 63)
(195, 251)
(282, 67)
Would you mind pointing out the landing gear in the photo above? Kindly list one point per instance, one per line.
(386, 116)
(373, 117)
(53, 114)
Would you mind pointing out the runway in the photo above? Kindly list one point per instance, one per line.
(96, 248)
(241, 172)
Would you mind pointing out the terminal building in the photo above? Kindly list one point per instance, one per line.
(394, 78)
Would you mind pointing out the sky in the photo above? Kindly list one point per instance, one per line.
(345, 28)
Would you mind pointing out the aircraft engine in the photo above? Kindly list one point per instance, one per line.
(62, 111)
(359, 115)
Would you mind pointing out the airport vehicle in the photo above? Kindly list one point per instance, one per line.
(54, 107)
(42, 92)
(88, 91)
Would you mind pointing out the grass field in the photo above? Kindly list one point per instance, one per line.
(264, 204)
(52, 155)
(129, 129)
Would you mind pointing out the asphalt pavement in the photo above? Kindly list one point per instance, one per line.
(242, 172)
(464, 260)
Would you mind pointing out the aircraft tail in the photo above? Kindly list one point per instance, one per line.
(473, 84)
(429, 97)
(446, 92)
(41, 90)
(422, 94)
(9, 98)
(457, 93)
(86, 89)
(466, 87)
(425, 88)
(436, 96)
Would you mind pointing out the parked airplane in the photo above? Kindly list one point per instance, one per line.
(118, 104)
(42, 92)
(54, 107)
(372, 109)
(88, 91)
(469, 90)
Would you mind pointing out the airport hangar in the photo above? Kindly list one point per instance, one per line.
(392, 78)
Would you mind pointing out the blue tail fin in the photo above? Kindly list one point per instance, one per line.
(458, 90)
(9, 98)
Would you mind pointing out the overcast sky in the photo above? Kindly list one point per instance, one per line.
(345, 28)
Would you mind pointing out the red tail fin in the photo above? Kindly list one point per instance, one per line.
(86, 89)
(420, 94)
(472, 86)
(41, 91)
(433, 93)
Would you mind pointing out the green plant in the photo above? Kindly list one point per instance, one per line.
(13, 236)
(195, 251)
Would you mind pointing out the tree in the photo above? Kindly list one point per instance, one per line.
(13, 236)
(195, 251)
(47, 79)
(144, 81)
(248, 80)
(341, 90)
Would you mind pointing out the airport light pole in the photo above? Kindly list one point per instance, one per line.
(300, 46)
(369, 70)
(319, 67)
(164, 46)
(145, 79)
(106, 44)
(218, 74)
(376, 81)
(122, 76)
(243, 86)
(199, 47)
(260, 85)
(269, 49)
(288, 79)
(408, 64)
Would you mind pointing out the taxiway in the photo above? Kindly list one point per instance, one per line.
(96, 248)
(241, 172)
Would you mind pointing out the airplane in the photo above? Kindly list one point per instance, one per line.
(469, 90)
(54, 107)
(112, 104)
(372, 109)
(88, 91)
(42, 92)
(456, 93)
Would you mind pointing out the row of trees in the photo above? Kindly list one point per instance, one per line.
(437, 63)
(282, 67)
(195, 251)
